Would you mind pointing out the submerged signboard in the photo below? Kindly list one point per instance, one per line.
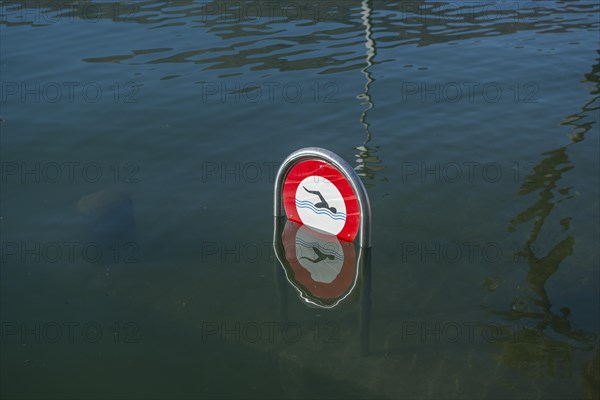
(317, 188)
(327, 208)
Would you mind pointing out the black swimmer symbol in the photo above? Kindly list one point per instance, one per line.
(320, 256)
(322, 203)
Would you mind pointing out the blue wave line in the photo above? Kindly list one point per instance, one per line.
(320, 210)
(311, 205)
(340, 216)
(308, 203)
(323, 213)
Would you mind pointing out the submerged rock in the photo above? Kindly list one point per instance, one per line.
(108, 216)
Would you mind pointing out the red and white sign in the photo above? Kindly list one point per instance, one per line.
(317, 194)
(323, 265)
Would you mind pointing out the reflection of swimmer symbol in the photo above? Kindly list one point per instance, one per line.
(320, 256)
(322, 203)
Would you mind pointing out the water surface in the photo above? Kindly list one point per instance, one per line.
(474, 126)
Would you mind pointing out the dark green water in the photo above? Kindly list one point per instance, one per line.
(474, 126)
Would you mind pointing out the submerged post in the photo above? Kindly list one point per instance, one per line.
(318, 188)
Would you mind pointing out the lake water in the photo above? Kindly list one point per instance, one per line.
(139, 143)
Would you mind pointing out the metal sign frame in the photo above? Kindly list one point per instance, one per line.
(312, 153)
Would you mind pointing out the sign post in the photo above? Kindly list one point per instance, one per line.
(317, 188)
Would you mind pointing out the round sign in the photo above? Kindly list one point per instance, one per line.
(321, 264)
(317, 194)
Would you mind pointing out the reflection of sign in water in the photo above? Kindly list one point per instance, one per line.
(316, 194)
(324, 260)
(319, 265)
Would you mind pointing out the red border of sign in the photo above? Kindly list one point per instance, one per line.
(321, 168)
(333, 290)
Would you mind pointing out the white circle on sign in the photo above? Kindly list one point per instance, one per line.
(320, 205)
(324, 259)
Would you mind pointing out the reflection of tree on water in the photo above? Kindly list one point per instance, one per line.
(366, 158)
(550, 337)
(583, 121)
(459, 20)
